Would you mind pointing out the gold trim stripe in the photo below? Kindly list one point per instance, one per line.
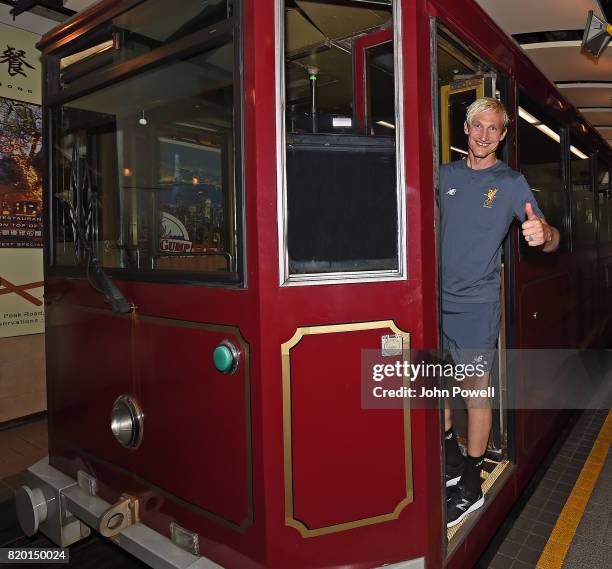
(562, 534)
(286, 347)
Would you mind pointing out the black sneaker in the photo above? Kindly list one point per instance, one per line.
(460, 502)
(452, 474)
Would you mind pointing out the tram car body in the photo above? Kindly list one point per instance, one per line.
(258, 180)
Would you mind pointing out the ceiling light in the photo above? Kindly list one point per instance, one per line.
(548, 131)
(385, 123)
(539, 125)
(577, 152)
(528, 117)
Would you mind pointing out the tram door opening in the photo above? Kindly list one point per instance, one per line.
(462, 78)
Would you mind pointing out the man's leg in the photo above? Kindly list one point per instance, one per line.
(479, 429)
(448, 419)
(475, 334)
(453, 468)
(480, 419)
(467, 495)
(480, 416)
(453, 465)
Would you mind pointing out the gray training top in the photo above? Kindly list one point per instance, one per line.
(477, 208)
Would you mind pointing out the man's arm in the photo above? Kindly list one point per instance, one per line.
(538, 233)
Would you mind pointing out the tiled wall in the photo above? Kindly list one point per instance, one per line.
(22, 376)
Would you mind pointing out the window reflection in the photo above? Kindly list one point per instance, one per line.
(540, 162)
(150, 170)
(144, 28)
(582, 193)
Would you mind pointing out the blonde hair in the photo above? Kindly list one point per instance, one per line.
(486, 104)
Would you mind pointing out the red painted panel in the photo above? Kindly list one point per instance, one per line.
(196, 418)
(89, 365)
(349, 463)
(543, 324)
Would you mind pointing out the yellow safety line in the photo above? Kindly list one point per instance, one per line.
(563, 533)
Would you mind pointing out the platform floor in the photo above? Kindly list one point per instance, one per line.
(21, 445)
(563, 520)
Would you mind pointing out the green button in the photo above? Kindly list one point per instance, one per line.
(223, 359)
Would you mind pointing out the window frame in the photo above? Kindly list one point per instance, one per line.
(339, 277)
(197, 42)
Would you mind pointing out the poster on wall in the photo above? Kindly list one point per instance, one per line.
(21, 292)
(20, 174)
(21, 231)
(20, 70)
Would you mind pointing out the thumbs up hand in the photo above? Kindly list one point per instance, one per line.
(535, 230)
(529, 211)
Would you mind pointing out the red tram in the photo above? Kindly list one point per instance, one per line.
(258, 181)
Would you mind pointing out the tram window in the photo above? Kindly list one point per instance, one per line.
(540, 161)
(141, 29)
(582, 192)
(605, 202)
(342, 197)
(150, 171)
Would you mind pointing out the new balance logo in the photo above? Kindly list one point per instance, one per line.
(464, 504)
(452, 191)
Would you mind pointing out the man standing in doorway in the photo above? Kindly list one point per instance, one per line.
(479, 198)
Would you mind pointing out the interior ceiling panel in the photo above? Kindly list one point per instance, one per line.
(606, 132)
(588, 94)
(584, 81)
(598, 116)
(300, 33)
(130, 98)
(331, 86)
(155, 21)
(341, 21)
(563, 61)
(524, 16)
(78, 5)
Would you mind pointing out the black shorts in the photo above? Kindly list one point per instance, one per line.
(470, 332)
